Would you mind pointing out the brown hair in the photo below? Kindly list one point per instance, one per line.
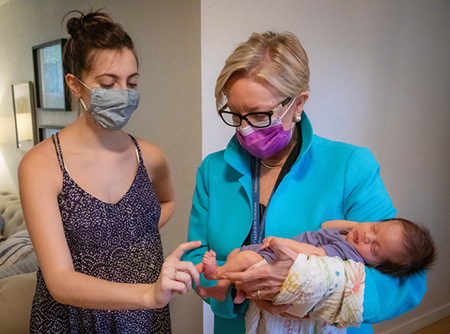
(89, 33)
(419, 248)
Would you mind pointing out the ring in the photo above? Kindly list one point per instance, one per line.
(259, 294)
(175, 274)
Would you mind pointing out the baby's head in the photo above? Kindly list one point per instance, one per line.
(396, 247)
(419, 251)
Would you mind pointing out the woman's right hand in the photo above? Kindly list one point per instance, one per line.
(176, 276)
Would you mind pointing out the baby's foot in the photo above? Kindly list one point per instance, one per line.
(210, 265)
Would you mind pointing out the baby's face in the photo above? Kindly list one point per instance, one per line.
(379, 241)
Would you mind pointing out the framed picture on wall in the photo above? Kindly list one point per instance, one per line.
(24, 115)
(52, 92)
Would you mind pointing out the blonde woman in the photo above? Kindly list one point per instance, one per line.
(276, 178)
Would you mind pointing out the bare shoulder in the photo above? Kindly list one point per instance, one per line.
(40, 164)
(37, 156)
(154, 157)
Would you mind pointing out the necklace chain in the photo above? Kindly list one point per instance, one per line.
(270, 166)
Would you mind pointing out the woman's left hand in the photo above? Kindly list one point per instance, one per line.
(176, 276)
(265, 282)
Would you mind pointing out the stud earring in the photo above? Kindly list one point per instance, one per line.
(297, 118)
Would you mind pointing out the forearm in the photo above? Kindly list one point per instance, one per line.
(85, 291)
(295, 246)
(77, 289)
(300, 247)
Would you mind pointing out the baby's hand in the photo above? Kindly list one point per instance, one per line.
(343, 224)
(266, 242)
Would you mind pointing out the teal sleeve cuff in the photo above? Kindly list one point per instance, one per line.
(386, 297)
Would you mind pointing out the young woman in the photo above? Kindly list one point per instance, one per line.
(95, 197)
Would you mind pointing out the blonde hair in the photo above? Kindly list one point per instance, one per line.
(278, 58)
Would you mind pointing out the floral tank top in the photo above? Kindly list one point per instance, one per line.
(116, 242)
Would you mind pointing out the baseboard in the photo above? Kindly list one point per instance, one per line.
(419, 322)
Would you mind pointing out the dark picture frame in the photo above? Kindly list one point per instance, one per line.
(24, 115)
(52, 93)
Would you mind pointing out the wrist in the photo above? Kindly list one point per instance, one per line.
(149, 297)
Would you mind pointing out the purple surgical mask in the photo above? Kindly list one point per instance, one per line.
(265, 142)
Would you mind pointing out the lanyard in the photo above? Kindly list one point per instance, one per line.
(258, 229)
(257, 232)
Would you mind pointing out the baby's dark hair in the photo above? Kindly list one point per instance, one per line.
(89, 32)
(419, 247)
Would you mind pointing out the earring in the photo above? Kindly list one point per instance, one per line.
(297, 118)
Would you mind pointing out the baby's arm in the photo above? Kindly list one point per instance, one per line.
(343, 224)
(298, 247)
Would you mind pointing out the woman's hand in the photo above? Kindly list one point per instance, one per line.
(175, 277)
(265, 282)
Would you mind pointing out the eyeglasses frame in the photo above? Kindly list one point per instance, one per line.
(269, 114)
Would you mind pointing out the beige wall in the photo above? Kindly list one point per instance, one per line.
(380, 78)
(167, 37)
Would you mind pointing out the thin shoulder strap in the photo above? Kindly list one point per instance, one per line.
(59, 155)
(138, 149)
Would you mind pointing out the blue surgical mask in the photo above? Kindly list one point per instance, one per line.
(112, 108)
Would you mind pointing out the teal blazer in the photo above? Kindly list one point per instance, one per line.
(329, 180)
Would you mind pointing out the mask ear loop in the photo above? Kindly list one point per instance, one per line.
(293, 123)
(83, 104)
(81, 82)
(81, 100)
(292, 102)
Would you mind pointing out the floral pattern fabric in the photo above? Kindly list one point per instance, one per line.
(329, 290)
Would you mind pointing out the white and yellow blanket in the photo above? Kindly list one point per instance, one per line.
(327, 289)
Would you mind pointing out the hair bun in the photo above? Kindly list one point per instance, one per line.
(75, 26)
